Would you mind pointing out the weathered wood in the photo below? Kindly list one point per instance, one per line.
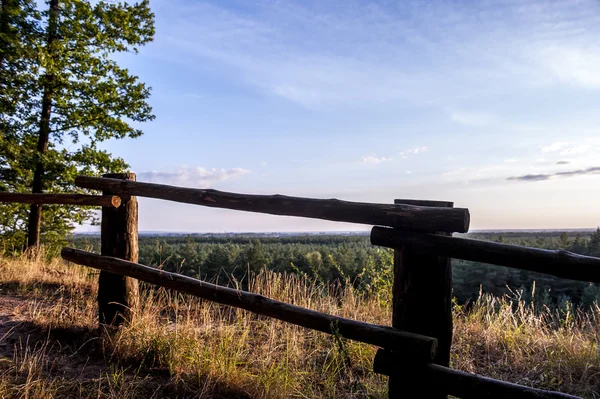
(561, 264)
(422, 304)
(62, 199)
(117, 295)
(401, 216)
(417, 346)
(458, 383)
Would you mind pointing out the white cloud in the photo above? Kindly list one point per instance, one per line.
(456, 172)
(576, 65)
(556, 146)
(576, 149)
(192, 177)
(472, 118)
(565, 148)
(375, 160)
(413, 151)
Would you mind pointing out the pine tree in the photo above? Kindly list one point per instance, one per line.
(594, 244)
(590, 295)
(563, 240)
(76, 97)
(579, 245)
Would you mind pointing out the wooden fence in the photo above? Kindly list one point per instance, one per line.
(414, 351)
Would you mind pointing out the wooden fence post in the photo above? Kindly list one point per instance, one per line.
(422, 303)
(118, 295)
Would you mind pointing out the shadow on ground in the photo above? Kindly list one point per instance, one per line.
(76, 363)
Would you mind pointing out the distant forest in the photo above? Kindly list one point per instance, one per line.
(351, 259)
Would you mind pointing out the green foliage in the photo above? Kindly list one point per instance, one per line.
(590, 295)
(93, 99)
(17, 32)
(563, 241)
(594, 244)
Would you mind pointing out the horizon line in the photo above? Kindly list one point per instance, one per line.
(586, 229)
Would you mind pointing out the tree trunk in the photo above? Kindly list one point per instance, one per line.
(35, 213)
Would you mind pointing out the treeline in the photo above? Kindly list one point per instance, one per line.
(326, 258)
(353, 260)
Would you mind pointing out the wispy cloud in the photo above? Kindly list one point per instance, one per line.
(563, 162)
(537, 177)
(576, 149)
(374, 53)
(472, 118)
(556, 146)
(192, 177)
(541, 177)
(375, 160)
(565, 148)
(578, 65)
(413, 151)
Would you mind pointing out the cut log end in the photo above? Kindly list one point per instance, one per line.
(115, 201)
(467, 221)
(61, 199)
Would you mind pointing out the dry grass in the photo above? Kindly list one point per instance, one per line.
(179, 346)
(509, 340)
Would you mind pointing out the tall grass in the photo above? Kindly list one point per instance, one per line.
(179, 346)
(506, 338)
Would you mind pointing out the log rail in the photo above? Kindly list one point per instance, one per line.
(62, 199)
(455, 382)
(561, 264)
(413, 345)
(410, 217)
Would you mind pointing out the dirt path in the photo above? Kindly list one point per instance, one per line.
(16, 328)
(69, 354)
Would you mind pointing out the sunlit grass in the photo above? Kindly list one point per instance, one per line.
(178, 346)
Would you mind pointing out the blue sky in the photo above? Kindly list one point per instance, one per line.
(491, 104)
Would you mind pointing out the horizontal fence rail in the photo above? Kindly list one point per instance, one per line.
(458, 383)
(561, 264)
(413, 345)
(399, 216)
(62, 199)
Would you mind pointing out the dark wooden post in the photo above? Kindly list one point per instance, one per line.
(422, 303)
(118, 295)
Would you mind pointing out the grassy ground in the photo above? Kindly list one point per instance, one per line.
(184, 347)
